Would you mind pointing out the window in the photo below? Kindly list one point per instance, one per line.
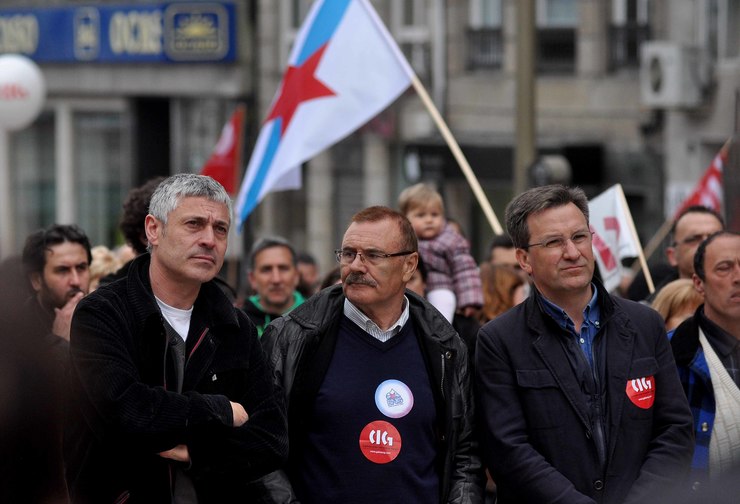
(410, 27)
(102, 174)
(33, 177)
(557, 21)
(628, 29)
(721, 36)
(485, 38)
(292, 15)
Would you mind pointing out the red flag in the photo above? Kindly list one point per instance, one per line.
(708, 192)
(223, 165)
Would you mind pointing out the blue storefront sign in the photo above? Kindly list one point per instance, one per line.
(170, 32)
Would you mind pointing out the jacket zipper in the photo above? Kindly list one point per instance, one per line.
(197, 343)
(599, 437)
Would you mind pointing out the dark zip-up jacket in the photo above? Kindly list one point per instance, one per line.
(127, 412)
(541, 442)
(301, 345)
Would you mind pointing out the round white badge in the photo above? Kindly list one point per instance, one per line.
(394, 399)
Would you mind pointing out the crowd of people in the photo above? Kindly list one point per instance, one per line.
(411, 372)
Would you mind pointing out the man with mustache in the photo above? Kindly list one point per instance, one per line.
(175, 402)
(376, 382)
(578, 394)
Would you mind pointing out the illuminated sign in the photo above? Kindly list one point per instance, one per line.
(158, 33)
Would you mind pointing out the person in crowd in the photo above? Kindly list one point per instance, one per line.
(579, 398)
(274, 278)
(308, 274)
(31, 394)
(677, 301)
(380, 405)
(503, 252)
(174, 399)
(707, 351)
(690, 227)
(503, 288)
(135, 210)
(453, 281)
(105, 262)
(57, 262)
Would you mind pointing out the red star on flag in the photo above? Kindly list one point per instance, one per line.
(299, 85)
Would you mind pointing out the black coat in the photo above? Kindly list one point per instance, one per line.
(539, 444)
(121, 373)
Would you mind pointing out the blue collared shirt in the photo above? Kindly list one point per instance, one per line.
(589, 328)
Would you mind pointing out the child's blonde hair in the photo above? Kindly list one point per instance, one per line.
(419, 195)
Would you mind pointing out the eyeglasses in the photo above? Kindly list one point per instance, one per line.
(560, 242)
(693, 239)
(347, 256)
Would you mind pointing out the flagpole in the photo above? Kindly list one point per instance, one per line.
(459, 156)
(633, 231)
(232, 274)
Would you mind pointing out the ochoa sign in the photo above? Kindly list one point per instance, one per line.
(167, 32)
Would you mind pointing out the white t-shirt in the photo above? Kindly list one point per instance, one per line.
(177, 318)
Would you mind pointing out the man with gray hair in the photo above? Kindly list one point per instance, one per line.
(579, 397)
(175, 401)
(274, 277)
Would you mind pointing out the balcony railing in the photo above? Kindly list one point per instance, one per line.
(556, 50)
(485, 48)
(624, 44)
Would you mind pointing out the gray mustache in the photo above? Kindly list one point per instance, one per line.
(354, 278)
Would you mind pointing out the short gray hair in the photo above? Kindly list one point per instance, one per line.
(536, 200)
(185, 185)
(271, 242)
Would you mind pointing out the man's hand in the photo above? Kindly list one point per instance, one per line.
(240, 414)
(63, 317)
(179, 453)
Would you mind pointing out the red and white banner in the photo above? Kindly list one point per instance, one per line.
(708, 191)
(614, 240)
(223, 165)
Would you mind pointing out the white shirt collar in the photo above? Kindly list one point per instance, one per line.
(363, 321)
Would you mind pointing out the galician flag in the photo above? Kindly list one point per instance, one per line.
(614, 236)
(344, 69)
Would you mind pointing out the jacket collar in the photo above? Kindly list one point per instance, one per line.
(211, 305)
(685, 340)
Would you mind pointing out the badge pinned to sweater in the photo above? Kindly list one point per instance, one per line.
(394, 398)
(641, 391)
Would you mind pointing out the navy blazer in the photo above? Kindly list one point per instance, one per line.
(538, 440)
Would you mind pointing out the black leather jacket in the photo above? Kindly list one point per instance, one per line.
(301, 345)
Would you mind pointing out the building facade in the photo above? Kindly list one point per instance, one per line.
(109, 125)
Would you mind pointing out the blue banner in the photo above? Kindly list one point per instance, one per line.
(172, 32)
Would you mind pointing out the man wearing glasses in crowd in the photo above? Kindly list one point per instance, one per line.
(376, 383)
(692, 226)
(579, 398)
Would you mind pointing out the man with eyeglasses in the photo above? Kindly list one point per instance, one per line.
(692, 226)
(376, 383)
(578, 394)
